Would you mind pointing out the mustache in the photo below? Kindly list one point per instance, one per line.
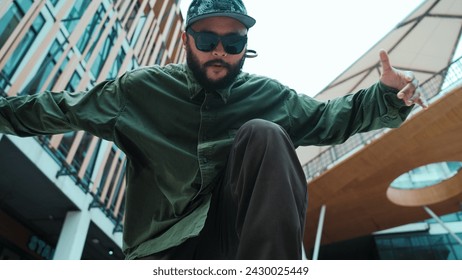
(217, 62)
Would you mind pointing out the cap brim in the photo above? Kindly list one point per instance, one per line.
(247, 21)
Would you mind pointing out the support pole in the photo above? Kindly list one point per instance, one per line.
(317, 243)
(73, 235)
(434, 216)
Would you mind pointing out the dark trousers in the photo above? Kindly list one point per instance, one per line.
(258, 208)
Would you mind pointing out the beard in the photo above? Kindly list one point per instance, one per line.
(200, 71)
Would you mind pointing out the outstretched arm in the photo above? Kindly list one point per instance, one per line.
(95, 111)
(404, 81)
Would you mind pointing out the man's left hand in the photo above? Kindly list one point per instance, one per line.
(404, 81)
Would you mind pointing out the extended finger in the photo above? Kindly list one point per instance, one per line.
(409, 90)
(417, 92)
(410, 77)
(418, 98)
(407, 93)
(385, 60)
(412, 94)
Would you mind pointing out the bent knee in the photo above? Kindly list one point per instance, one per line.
(261, 125)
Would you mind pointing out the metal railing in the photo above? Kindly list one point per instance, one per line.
(84, 183)
(432, 89)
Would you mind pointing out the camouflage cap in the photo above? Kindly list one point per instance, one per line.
(200, 9)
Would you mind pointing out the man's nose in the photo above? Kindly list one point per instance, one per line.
(219, 50)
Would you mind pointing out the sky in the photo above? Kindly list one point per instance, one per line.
(306, 44)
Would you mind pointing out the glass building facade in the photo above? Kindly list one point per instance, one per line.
(422, 244)
(73, 45)
(426, 240)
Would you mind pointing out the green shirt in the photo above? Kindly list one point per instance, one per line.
(177, 136)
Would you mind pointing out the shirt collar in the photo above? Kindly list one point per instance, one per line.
(195, 89)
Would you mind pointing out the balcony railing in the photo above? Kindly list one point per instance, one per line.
(110, 204)
(433, 89)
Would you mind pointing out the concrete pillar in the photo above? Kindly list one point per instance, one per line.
(73, 235)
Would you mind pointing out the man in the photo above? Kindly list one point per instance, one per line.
(212, 171)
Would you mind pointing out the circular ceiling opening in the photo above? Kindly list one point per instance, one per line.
(427, 184)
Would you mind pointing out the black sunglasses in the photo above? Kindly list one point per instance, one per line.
(208, 41)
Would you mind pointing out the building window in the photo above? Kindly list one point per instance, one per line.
(21, 50)
(82, 152)
(90, 29)
(418, 247)
(75, 14)
(54, 2)
(74, 82)
(44, 71)
(169, 25)
(107, 168)
(160, 55)
(139, 28)
(11, 19)
(134, 64)
(3, 85)
(117, 65)
(132, 16)
(96, 39)
(115, 184)
(105, 50)
(92, 163)
(66, 143)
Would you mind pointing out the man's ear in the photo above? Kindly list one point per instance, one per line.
(184, 38)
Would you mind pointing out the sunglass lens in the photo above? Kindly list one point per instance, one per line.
(234, 44)
(206, 42)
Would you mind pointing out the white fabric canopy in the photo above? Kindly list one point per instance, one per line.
(424, 42)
